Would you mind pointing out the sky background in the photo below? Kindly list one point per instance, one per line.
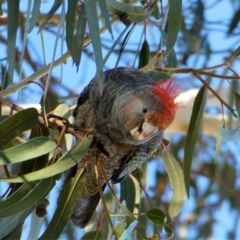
(78, 80)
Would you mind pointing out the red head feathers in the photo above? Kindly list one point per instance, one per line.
(167, 93)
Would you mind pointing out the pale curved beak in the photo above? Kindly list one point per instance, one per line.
(144, 131)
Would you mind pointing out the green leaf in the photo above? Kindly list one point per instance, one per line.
(192, 134)
(27, 195)
(13, 15)
(144, 54)
(1, 11)
(15, 234)
(130, 192)
(175, 174)
(157, 216)
(56, 5)
(70, 24)
(234, 23)
(237, 103)
(68, 160)
(50, 102)
(230, 135)
(92, 235)
(114, 45)
(169, 231)
(174, 24)
(14, 125)
(7, 225)
(79, 36)
(28, 150)
(218, 145)
(136, 14)
(105, 14)
(128, 232)
(65, 206)
(92, 18)
(35, 15)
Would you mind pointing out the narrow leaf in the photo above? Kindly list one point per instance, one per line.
(56, 5)
(70, 24)
(105, 14)
(79, 36)
(92, 18)
(35, 193)
(92, 235)
(35, 15)
(16, 124)
(13, 15)
(176, 177)
(192, 134)
(144, 54)
(237, 103)
(65, 207)
(174, 24)
(7, 225)
(128, 232)
(31, 149)
(68, 160)
(130, 192)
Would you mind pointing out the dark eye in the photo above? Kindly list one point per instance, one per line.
(144, 110)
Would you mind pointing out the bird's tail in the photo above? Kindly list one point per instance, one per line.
(87, 201)
(84, 209)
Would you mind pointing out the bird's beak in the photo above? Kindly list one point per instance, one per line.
(144, 131)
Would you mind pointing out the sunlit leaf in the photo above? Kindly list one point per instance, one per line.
(128, 232)
(30, 149)
(192, 134)
(13, 15)
(68, 160)
(175, 174)
(16, 124)
(92, 19)
(157, 216)
(65, 207)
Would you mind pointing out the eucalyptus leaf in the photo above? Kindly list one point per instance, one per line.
(68, 160)
(176, 177)
(31, 149)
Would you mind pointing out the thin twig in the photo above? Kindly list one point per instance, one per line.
(216, 95)
(60, 61)
(114, 231)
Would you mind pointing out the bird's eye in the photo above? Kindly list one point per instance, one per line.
(144, 110)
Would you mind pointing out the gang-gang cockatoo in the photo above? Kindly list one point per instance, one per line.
(128, 120)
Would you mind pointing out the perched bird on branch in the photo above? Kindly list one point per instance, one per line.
(128, 120)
